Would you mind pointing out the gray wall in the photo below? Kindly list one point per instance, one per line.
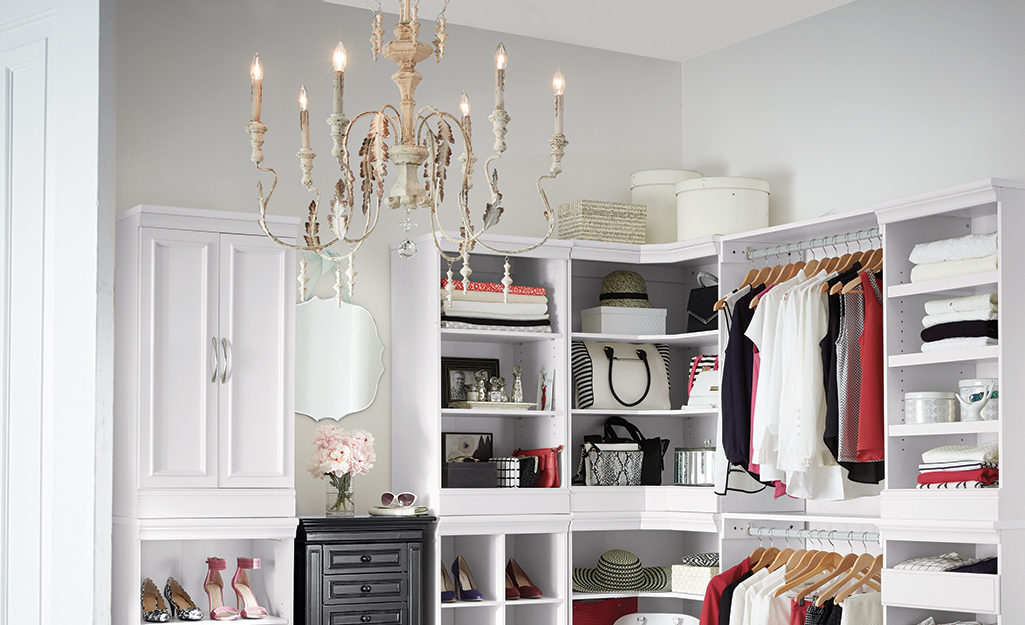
(183, 104)
(871, 101)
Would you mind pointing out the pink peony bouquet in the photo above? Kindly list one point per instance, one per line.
(339, 455)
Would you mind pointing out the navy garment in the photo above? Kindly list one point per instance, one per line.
(737, 370)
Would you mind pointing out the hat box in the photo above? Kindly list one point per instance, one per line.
(613, 320)
(656, 189)
(721, 205)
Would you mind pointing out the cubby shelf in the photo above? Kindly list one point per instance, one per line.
(496, 336)
(975, 354)
(687, 339)
(932, 429)
(682, 412)
(578, 596)
(471, 604)
(463, 412)
(972, 283)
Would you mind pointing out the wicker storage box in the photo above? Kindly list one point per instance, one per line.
(615, 320)
(602, 221)
(692, 579)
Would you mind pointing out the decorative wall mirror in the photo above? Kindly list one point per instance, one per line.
(338, 359)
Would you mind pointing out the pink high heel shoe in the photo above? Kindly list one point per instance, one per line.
(240, 582)
(215, 591)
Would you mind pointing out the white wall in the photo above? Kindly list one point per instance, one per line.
(183, 103)
(873, 100)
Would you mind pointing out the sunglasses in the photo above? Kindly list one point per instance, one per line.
(400, 500)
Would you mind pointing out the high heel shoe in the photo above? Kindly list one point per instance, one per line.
(214, 587)
(182, 606)
(522, 581)
(466, 588)
(510, 589)
(153, 608)
(240, 583)
(448, 593)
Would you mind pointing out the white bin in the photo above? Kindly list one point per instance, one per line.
(722, 205)
(656, 189)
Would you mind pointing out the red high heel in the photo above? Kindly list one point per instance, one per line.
(215, 591)
(240, 582)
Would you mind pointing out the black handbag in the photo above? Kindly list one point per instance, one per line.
(654, 448)
(701, 314)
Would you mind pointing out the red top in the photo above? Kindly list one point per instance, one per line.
(713, 593)
(870, 413)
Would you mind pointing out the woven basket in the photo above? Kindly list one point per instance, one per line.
(612, 222)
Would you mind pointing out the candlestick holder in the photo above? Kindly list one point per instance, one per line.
(256, 130)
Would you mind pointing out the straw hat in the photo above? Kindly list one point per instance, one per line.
(621, 571)
(624, 289)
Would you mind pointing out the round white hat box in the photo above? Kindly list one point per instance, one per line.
(656, 189)
(721, 205)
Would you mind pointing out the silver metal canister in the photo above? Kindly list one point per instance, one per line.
(694, 466)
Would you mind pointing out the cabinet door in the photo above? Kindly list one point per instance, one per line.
(257, 312)
(177, 328)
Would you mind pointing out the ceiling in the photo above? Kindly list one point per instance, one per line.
(674, 30)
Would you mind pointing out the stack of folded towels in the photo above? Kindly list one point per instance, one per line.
(960, 467)
(969, 321)
(484, 306)
(974, 253)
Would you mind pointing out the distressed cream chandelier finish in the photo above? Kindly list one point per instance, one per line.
(423, 146)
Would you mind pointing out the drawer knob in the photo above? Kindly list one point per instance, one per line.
(365, 558)
(365, 588)
(365, 618)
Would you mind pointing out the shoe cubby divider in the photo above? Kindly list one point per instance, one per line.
(485, 556)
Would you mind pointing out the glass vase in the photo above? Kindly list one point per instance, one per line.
(339, 498)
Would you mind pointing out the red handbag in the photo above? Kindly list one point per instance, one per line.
(547, 465)
(604, 611)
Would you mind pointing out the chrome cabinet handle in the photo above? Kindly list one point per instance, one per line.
(217, 360)
(227, 361)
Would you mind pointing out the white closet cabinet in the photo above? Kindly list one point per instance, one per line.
(204, 410)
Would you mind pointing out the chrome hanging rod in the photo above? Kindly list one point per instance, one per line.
(826, 535)
(790, 248)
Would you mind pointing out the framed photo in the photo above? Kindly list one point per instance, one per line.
(477, 445)
(457, 376)
(545, 387)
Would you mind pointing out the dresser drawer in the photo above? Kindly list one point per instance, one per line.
(372, 587)
(388, 613)
(367, 558)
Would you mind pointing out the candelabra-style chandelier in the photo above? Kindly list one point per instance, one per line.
(425, 140)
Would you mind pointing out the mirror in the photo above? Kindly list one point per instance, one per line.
(338, 359)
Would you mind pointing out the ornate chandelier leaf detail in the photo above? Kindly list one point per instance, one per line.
(312, 227)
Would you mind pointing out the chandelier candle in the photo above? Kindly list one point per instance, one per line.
(406, 144)
(558, 85)
(256, 93)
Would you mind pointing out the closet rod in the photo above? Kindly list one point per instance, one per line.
(827, 535)
(789, 248)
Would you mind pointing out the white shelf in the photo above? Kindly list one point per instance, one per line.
(267, 620)
(974, 354)
(471, 604)
(496, 336)
(687, 339)
(504, 501)
(802, 517)
(970, 283)
(470, 413)
(514, 603)
(622, 499)
(933, 429)
(578, 596)
(683, 412)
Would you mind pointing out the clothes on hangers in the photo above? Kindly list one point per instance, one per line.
(715, 588)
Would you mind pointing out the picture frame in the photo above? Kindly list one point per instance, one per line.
(478, 445)
(457, 376)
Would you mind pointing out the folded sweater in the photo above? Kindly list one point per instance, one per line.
(968, 246)
(951, 268)
(973, 315)
(985, 476)
(986, 452)
(493, 296)
(496, 288)
(966, 303)
(959, 343)
(460, 307)
(960, 329)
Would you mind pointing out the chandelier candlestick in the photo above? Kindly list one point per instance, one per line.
(256, 89)
(558, 85)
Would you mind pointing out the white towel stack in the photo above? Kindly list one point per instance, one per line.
(485, 307)
(979, 307)
(973, 253)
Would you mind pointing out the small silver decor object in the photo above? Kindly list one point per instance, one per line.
(495, 395)
(517, 392)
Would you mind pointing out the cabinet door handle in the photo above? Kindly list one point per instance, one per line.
(365, 559)
(365, 618)
(365, 588)
(217, 360)
(227, 361)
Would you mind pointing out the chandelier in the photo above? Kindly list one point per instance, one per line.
(417, 143)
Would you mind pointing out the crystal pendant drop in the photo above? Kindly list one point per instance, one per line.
(407, 249)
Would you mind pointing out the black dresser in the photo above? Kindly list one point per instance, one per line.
(360, 570)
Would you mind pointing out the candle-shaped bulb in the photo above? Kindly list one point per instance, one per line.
(500, 58)
(256, 70)
(464, 105)
(302, 98)
(559, 82)
(339, 57)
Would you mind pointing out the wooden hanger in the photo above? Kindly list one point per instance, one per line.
(747, 281)
(863, 580)
(822, 561)
(781, 559)
(767, 557)
(798, 560)
(835, 563)
(812, 267)
(862, 562)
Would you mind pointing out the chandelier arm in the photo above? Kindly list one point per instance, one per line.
(549, 215)
(348, 178)
(264, 201)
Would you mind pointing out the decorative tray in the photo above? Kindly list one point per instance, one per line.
(492, 405)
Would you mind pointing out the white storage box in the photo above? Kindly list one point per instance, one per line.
(692, 580)
(656, 189)
(612, 222)
(615, 320)
(930, 407)
(723, 205)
